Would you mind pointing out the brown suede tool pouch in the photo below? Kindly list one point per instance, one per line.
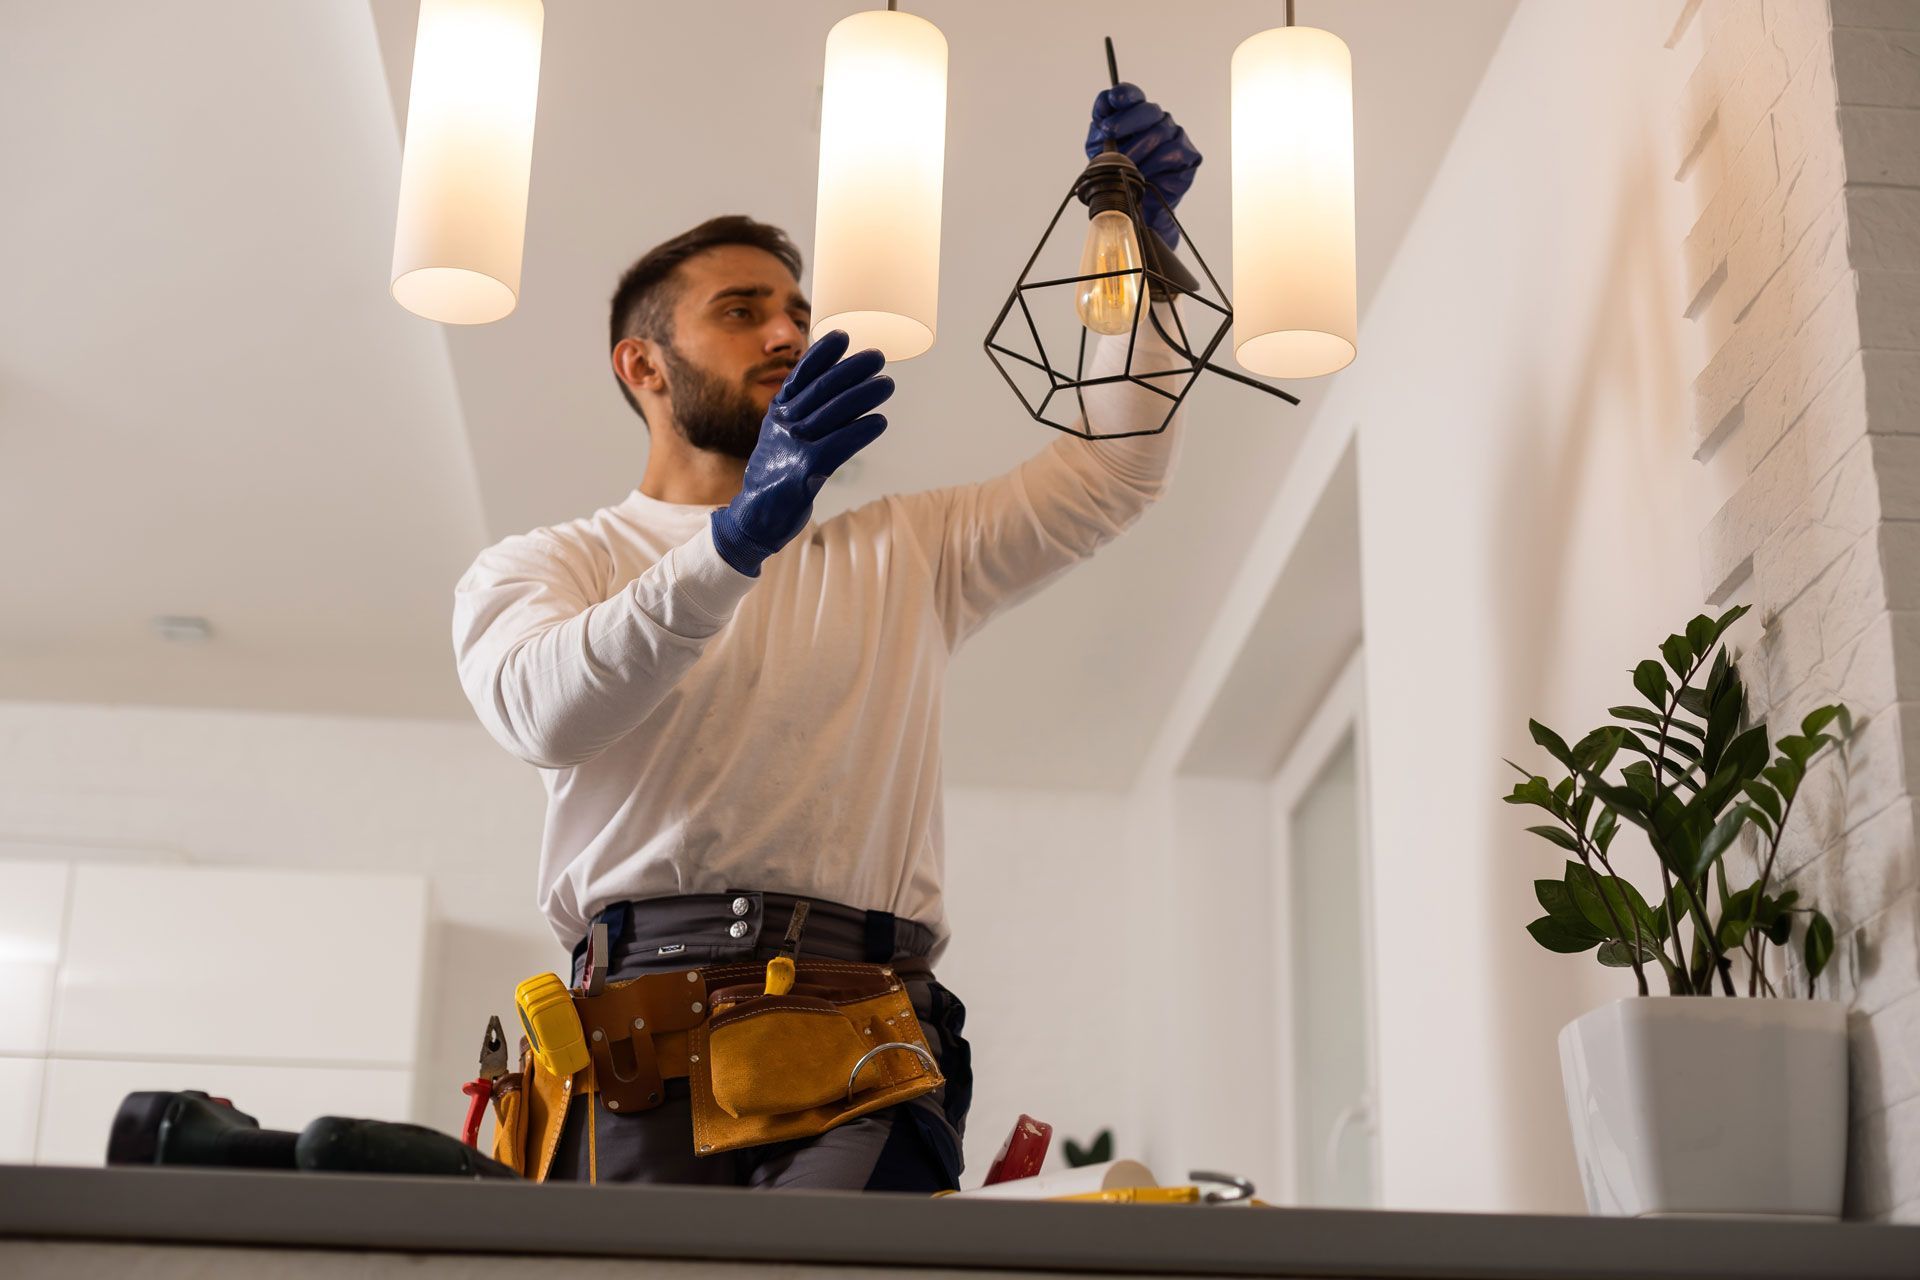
(510, 1121)
(842, 1042)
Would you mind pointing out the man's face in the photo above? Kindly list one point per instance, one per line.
(739, 325)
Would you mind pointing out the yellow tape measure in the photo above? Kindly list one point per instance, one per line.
(552, 1024)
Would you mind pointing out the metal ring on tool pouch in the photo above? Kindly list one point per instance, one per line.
(882, 1048)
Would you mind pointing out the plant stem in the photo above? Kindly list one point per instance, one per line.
(1701, 922)
(1639, 965)
(1673, 925)
(1659, 790)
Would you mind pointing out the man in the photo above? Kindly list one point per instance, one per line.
(736, 708)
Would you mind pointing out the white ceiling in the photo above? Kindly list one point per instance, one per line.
(209, 405)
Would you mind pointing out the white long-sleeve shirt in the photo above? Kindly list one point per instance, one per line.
(699, 730)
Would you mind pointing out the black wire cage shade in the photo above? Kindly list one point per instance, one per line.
(1112, 181)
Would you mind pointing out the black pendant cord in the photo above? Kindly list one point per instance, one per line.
(1211, 367)
(1289, 12)
(1113, 68)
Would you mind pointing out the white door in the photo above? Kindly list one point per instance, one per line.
(1325, 959)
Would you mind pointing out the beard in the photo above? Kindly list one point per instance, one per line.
(713, 414)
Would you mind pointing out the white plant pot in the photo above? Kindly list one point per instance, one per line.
(1707, 1106)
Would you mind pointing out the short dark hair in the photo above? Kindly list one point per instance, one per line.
(643, 303)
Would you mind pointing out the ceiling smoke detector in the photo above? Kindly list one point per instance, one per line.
(182, 628)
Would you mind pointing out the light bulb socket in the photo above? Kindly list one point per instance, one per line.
(1105, 183)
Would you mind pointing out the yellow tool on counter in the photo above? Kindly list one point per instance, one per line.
(1135, 1195)
(553, 1024)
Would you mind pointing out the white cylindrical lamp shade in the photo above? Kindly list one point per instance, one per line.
(458, 241)
(1295, 312)
(883, 143)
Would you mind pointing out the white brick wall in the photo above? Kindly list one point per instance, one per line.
(1802, 131)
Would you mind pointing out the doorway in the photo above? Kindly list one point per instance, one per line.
(1324, 960)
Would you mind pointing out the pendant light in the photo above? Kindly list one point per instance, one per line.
(461, 229)
(1123, 265)
(1293, 238)
(883, 131)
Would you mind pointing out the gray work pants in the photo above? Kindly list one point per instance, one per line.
(912, 1147)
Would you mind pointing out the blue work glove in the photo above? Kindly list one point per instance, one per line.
(1150, 138)
(822, 416)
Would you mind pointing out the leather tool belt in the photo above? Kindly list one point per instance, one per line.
(842, 1041)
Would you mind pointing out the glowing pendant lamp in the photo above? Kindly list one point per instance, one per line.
(883, 131)
(462, 226)
(1295, 311)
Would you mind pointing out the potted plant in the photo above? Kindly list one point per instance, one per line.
(1716, 1099)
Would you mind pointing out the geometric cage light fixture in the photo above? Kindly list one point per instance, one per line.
(1124, 281)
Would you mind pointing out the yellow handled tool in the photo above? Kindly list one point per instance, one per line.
(552, 1023)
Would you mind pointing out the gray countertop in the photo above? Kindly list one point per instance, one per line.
(289, 1210)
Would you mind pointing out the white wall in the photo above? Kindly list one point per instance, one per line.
(1036, 893)
(1036, 878)
(1529, 515)
(434, 798)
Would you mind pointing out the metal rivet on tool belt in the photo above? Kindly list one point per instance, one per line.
(694, 976)
(653, 1097)
(639, 1024)
(599, 1034)
(888, 972)
(693, 1057)
(613, 1104)
(697, 1006)
(739, 906)
(738, 928)
(706, 1146)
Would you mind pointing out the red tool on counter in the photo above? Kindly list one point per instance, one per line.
(1024, 1151)
(479, 1091)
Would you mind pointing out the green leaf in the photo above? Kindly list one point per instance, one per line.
(1678, 652)
(1617, 953)
(1563, 792)
(1628, 804)
(1650, 678)
(1819, 945)
(1557, 898)
(1709, 850)
(1675, 771)
(1587, 889)
(1554, 936)
(1534, 791)
(1595, 751)
(1603, 828)
(1780, 930)
(1556, 745)
(1557, 835)
(1764, 798)
(1639, 779)
(1748, 752)
(1797, 749)
(1723, 721)
(1785, 775)
(1701, 633)
(1819, 718)
(1695, 702)
(1640, 715)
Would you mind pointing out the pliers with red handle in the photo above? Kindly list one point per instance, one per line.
(479, 1091)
